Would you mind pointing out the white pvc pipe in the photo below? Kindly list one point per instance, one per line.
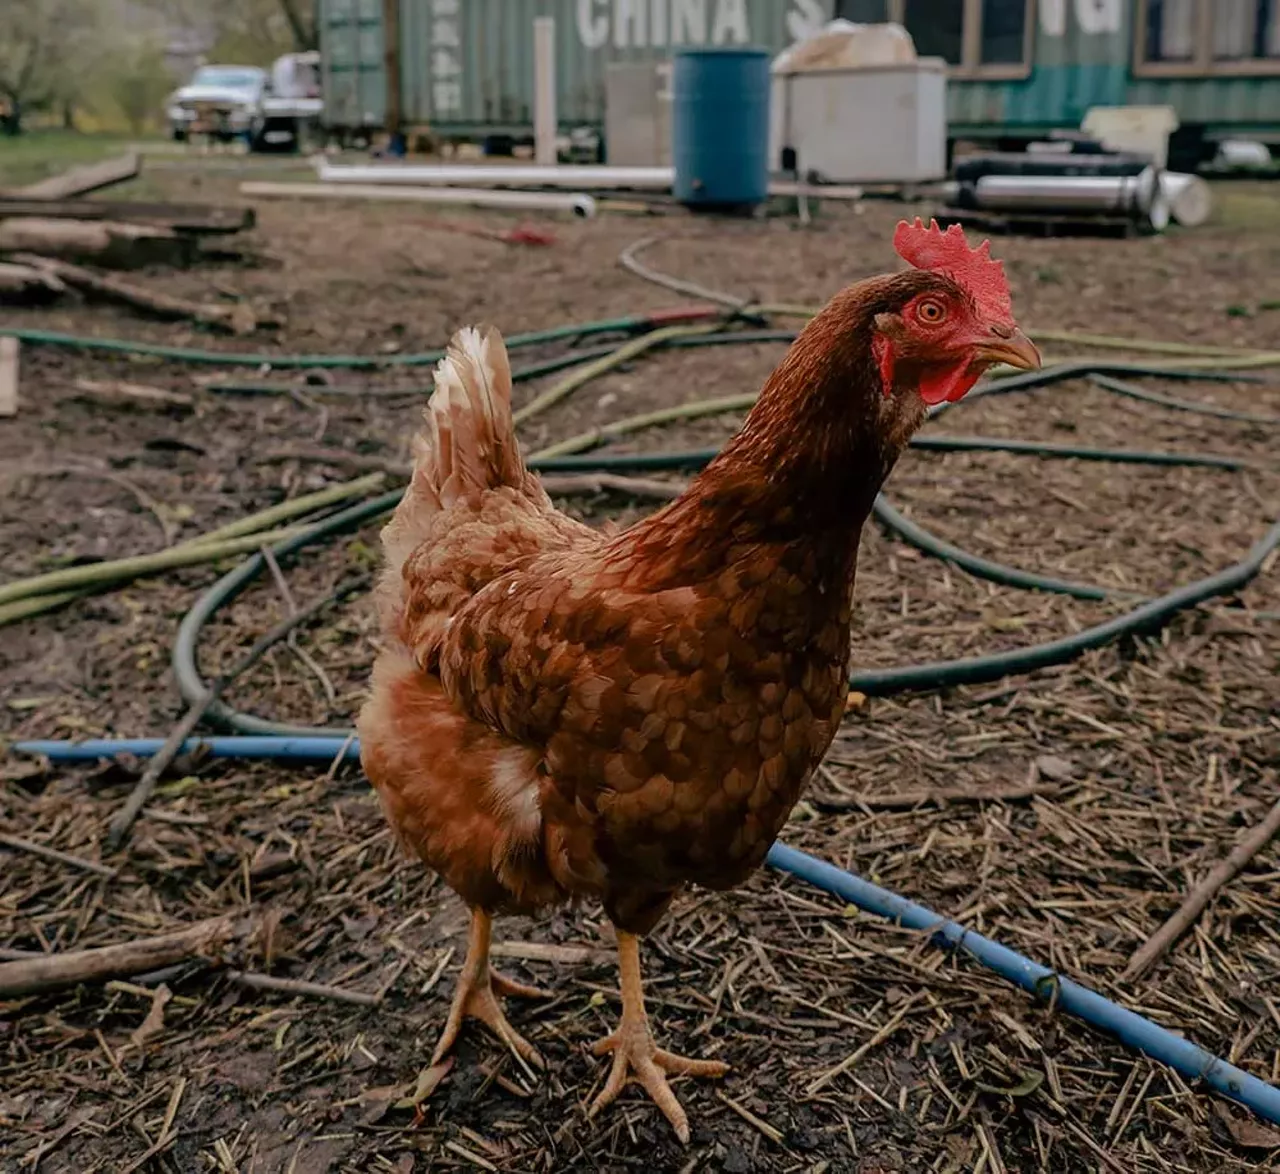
(1190, 199)
(544, 91)
(579, 203)
(579, 177)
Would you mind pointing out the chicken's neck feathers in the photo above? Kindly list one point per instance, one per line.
(803, 472)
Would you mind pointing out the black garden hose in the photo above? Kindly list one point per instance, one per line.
(1144, 617)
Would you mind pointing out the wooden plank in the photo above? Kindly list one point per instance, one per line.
(192, 218)
(79, 180)
(8, 376)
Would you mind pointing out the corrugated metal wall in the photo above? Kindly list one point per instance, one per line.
(467, 65)
(352, 72)
(1073, 68)
(1243, 103)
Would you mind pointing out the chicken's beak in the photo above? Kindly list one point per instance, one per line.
(1016, 350)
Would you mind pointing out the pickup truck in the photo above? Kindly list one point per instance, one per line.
(263, 109)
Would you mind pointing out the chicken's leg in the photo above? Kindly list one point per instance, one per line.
(476, 996)
(636, 1055)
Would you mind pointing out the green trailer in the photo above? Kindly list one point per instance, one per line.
(1017, 68)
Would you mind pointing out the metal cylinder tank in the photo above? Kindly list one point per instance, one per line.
(720, 127)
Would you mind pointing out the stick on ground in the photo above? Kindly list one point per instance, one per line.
(26, 286)
(941, 796)
(293, 986)
(8, 376)
(51, 971)
(237, 319)
(122, 392)
(18, 845)
(146, 785)
(1203, 893)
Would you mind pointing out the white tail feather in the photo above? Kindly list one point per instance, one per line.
(469, 442)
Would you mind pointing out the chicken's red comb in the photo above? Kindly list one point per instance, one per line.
(948, 252)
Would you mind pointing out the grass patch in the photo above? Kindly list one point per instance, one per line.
(38, 154)
(1245, 204)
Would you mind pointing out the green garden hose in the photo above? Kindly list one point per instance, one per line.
(1144, 616)
(1193, 363)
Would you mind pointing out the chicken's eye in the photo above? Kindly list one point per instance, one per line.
(931, 311)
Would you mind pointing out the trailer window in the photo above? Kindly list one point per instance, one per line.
(975, 37)
(1203, 37)
(864, 11)
(937, 27)
(1245, 29)
(1004, 32)
(1171, 30)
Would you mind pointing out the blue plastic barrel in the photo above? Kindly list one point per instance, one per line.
(720, 127)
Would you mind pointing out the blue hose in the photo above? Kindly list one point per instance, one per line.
(237, 746)
(1130, 1028)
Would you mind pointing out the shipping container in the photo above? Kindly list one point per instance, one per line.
(1017, 68)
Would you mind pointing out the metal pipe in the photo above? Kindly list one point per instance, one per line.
(579, 203)
(544, 90)
(1131, 1028)
(1102, 193)
(581, 176)
(1140, 196)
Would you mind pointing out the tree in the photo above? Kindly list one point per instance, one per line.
(301, 15)
(46, 48)
(249, 32)
(139, 81)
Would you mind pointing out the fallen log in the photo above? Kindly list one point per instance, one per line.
(107, 243)
(47, 972)
(236, 319)
(77, 181)
(22, 285)
(187, 218)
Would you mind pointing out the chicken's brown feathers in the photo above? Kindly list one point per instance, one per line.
(466, 452)
(559, 713)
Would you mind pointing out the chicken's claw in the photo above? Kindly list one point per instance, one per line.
(635, 1055)
(477, 998)
(509, 988)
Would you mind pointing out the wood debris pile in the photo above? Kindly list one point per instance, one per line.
(54, 245)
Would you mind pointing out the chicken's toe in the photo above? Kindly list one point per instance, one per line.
(636, 1057)
(684, 1066)
(486, 1008)
(477, 1000)
(511, 989)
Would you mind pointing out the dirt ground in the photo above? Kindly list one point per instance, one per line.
(1150, 757)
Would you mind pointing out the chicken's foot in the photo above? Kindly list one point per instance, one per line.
(635, 1055)
(477, 997)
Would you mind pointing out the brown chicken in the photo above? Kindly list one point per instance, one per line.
(557, 713)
